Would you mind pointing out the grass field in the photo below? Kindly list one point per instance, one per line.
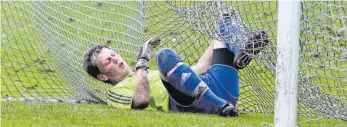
(42, 45)
(19, 114)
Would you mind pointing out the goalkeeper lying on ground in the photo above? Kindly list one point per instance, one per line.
(211, 86)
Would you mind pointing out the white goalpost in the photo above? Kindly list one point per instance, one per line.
(288, 40)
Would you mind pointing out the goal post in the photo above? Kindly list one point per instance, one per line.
(288, 37)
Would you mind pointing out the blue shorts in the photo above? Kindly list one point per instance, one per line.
(223, 80)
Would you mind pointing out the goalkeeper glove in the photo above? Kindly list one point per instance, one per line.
(145, 53)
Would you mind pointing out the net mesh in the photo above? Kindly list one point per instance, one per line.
(43, 43)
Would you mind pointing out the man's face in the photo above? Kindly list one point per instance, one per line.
(112, 64)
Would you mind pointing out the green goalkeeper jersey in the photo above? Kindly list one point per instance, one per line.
(120, 96)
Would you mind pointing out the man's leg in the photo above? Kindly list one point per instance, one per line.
(233, 32)
(222, 55)
(222, 77)
(255, 44)
(227, 85)
(183, 79)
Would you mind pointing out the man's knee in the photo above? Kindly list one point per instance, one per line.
(166, 60)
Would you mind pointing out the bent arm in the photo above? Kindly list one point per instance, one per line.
(204, 61)
(141, 93)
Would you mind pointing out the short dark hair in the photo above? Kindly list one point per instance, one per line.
(89, 61)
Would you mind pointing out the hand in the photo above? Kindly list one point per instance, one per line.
(146, 49)
(145, 53)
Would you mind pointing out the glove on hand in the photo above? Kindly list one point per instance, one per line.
(145, 53)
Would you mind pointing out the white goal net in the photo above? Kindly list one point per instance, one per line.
(43, 42)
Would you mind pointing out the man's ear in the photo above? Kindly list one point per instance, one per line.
(102, 77)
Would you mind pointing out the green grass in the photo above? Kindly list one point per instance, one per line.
(15, 114)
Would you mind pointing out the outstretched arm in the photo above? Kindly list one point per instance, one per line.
(204, 61)
(141, 94)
